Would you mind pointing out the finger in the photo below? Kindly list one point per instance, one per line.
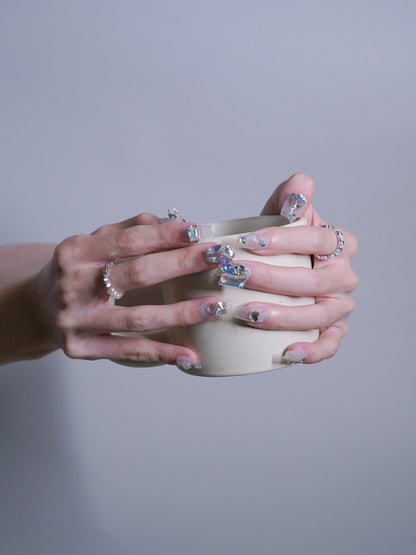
(157, 267)
(144, 218)
(137, 349)
(279, 317)
(297, 183)
(325, 347)
(297, 240)
(128, 242)
(145, 318)
(335, 278)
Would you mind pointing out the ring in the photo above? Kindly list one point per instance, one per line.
(111, 292)
(340, 243)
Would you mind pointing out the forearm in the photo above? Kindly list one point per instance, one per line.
(22, 335)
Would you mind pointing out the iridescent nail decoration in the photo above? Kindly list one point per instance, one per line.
(172, 216)
(293, 203)
(234, 275)
(219, 254)
(194, 233)
(213, 310)
(254, 240)
(185, 363)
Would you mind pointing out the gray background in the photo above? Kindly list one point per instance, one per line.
(111, 108)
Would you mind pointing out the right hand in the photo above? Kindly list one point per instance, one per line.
(72, 302)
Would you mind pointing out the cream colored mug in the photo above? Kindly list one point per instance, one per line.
(228, 347)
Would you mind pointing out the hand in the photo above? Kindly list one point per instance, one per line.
(71, 296)
(329, 281)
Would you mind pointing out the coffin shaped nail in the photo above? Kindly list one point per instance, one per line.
(252, 314)
(254, 240)
(294, 356)
(186, 363)
(292, 206)
(234, 275)
(212, 310)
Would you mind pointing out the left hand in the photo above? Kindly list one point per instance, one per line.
(329, 281)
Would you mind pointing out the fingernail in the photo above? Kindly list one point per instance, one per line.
(186, 363)
(212, 310)
(172, 216)
(254, 241)
(294, 356)
(234, 275)
(219, 254)
(292, 206)
(194, 233)
(252, 314)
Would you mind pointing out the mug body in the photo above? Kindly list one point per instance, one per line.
(227, 346)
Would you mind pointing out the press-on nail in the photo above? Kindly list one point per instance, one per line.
(172, 216)
(235, 274)
(212, 310)
(294, 356)
(218, 254)
(186, 363)
(292, 206)
(254, 241)
(250, 314)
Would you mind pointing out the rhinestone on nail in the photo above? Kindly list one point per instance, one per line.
(234, 275)
(219, 254)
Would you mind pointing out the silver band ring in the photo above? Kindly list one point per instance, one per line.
(111, 292)
(340, 243)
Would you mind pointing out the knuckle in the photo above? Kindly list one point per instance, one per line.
(68, 251)
(126, 239)
(353, 282)
(103, 229)
(137, 273)
(324, 315)
(316, 240)
(135, 322)
(183, 261)
(145, 218)
(318, 282)
(65, 322)
(184, 316)
(73, 347)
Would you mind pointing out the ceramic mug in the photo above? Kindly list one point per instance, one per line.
(227, 346)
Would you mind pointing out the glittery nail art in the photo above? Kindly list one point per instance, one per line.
(254, 240)
(234, 275)
(219, 254)
(292, 205)
(213, 309)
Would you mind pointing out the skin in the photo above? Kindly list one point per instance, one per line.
(53, 297)
(331, 282)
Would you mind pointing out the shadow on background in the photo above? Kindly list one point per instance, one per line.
(43, 505)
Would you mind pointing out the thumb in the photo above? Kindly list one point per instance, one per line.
(299, 183)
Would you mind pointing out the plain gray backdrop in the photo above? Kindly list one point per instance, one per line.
(112, 108)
